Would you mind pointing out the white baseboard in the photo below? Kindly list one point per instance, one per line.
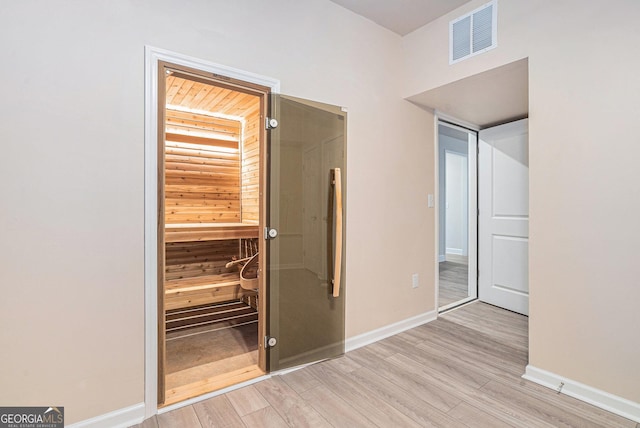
(442, 258)
(389, 330)
(121, 418)
(455, 251)
(604, 400)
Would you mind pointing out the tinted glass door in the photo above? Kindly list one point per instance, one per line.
(307, 182)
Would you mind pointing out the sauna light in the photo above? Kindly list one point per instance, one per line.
(194, 133)
(205, 113)
(202, 147)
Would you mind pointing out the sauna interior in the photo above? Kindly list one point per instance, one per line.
(212, 172)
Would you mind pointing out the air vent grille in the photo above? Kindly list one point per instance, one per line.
(473, 33)
(460, 38)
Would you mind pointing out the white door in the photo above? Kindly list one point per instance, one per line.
(503, 187)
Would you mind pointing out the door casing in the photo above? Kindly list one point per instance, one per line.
(152, 221)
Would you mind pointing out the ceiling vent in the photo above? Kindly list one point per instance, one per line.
(473, 33)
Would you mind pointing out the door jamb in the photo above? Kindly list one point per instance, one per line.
(153, 56)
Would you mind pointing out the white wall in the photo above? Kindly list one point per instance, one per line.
(71, 175)
(584, 191)
(456, 195)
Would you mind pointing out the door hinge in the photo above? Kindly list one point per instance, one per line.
(270, 123)
(270, 342)
(270, 233)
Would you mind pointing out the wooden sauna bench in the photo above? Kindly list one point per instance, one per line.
(189, 232)
(205, 289)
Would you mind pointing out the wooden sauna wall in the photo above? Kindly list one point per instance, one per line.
(200, 258)
(251, 165)
(211, 176)
(202, 169)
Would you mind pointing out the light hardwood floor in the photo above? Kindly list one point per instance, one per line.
(462, 370)
(453, 282)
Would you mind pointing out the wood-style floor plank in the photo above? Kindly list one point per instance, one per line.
(474, 417)
(290, 406)
(462, 370)
(334, 409)
(264, 418)
(301, 380)
(217, 412)
(246, 400)
(179, 418)
(148, 423)
(380, 412)
(538, 409)
(343, 365)
(404, 401)
(413, 384)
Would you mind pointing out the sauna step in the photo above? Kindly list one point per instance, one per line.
(208, 318)
(209, 231)
(192, 292)
(197, 283)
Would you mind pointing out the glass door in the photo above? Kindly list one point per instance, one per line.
(458, 213)
(306, 232)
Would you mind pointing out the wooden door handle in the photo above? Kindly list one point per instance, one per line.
(337, 257)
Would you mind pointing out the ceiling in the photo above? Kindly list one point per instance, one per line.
(490, 98)
(199, 113)
(194, 95)
(401, 16)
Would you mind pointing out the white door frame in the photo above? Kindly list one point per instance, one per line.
(443, 119)
(152, 57)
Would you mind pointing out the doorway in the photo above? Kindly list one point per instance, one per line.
(457, 194)
(210, 256)
(244, 229)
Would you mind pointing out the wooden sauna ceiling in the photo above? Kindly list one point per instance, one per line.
(192, 95)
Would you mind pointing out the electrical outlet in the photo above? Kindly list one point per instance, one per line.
(414, 280)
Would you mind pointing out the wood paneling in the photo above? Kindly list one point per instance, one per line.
(193, 259)
(195, 273)
(201, 96)
(202, 184)
(205, 150)
(251, 169)
(215, 127)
